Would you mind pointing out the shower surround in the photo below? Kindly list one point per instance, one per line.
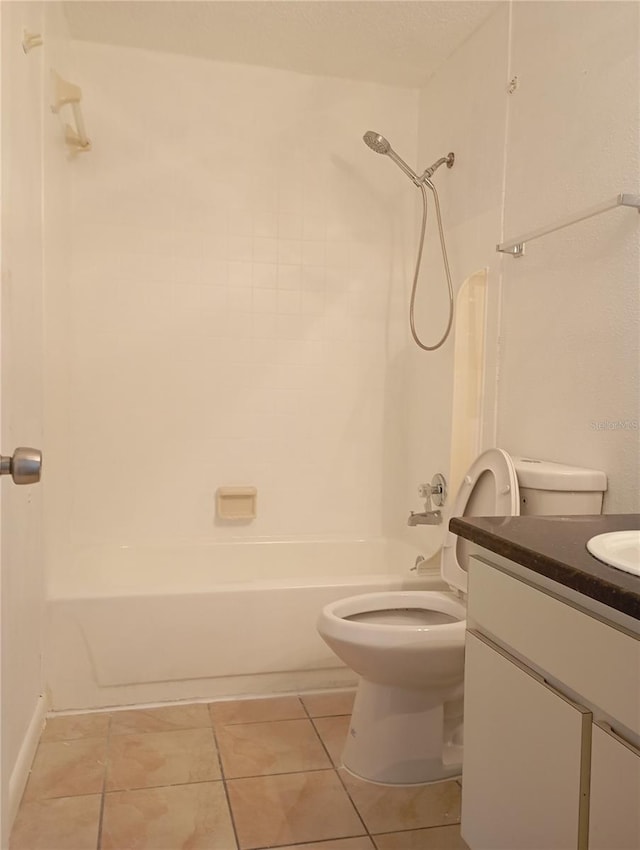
(235, 300)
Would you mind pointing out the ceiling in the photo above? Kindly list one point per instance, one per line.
(396, 42)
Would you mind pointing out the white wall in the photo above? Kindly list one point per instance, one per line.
(566, 313)
(571, 308)
(234, 252)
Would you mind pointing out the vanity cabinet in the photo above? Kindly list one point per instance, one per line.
(552, 719)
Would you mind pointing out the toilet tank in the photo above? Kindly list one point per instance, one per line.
(556, 489)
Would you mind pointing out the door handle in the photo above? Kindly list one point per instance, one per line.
(24, 466)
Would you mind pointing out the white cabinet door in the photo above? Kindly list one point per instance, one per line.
(526, 757)
(614, 817)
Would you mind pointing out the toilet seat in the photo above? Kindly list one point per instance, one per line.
(489, 488)
(335, 622)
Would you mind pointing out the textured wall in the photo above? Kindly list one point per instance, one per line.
(234, 249)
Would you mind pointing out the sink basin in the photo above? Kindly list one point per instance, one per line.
(620, 549)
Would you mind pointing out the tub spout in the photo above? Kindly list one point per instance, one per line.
(425, 518)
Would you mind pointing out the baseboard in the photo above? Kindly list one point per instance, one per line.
(20, 772)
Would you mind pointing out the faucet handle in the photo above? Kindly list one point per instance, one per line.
(437, 489)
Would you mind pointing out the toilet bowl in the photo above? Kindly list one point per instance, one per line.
(408, 646)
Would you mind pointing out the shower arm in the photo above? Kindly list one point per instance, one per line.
(449, 159)
(427, 173)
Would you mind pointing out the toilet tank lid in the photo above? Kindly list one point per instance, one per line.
(547, 475)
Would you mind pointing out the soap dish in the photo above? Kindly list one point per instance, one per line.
(236, 503)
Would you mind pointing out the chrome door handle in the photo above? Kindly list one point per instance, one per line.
(24, 466)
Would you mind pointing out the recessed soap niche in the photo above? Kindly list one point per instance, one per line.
(236, 503)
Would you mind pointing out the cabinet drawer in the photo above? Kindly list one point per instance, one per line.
(591, 658)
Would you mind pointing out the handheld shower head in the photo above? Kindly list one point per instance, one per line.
(376, 142)
(379, 144)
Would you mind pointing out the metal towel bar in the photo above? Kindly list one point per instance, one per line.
(515, 247)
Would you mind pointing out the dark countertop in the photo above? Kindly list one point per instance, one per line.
(555, 547)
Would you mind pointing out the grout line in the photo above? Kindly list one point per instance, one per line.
(207, 781)
(281, 773)
(250, 722)
(416, 828)
(157, 787)
(317, 841)
(104, 786)
(257, 722)
(161, 731)
(336, 769)
(324, 746)
(224, 786)
(346, 790)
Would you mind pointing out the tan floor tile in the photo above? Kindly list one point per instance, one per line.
(291, 809)
(436, 838)
(282, 746)
(333, 731)
(326, 705)
(67, 769)
(361, 843)
(161, 758)
(70, 726)
(183, 817)
(168, 718)
(387, 809)
(66, 823)
(256, 710)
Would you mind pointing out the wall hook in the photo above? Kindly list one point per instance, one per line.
(68, 94)
(31, 40)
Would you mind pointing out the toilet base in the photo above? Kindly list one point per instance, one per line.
(397, 736)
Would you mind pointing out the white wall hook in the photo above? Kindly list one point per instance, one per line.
(31, 40)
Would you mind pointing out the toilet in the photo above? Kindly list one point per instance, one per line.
(408, 646)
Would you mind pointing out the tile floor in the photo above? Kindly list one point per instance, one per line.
(242, 775)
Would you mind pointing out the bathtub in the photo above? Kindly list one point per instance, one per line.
(146, 624)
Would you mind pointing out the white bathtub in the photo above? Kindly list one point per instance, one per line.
(153, 624)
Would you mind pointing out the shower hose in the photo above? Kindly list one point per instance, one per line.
(412, 323)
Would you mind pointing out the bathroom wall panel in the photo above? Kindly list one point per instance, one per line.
(234, 249)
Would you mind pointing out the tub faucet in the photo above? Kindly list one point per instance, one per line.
(436, 490)
(425, 518)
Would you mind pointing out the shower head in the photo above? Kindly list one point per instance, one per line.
(376, 142)
(379, 144)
